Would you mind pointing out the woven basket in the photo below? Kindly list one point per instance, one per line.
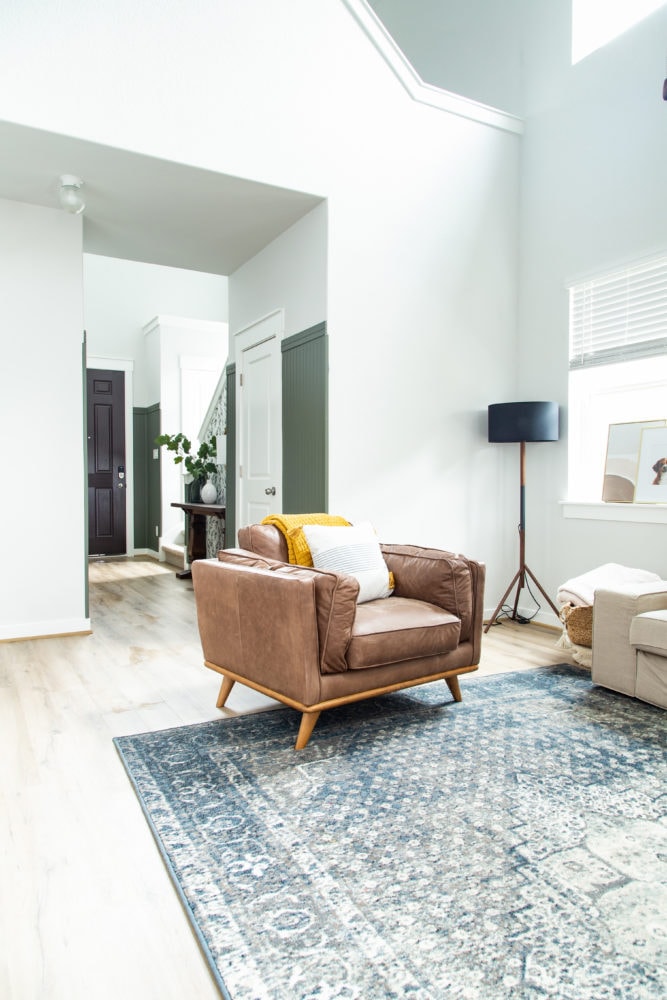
(578, 621)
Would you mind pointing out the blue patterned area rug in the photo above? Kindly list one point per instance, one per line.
(511, 846)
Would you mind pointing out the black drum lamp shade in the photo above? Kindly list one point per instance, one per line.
(523, 422)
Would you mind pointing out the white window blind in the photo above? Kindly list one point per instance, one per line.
(619, 316)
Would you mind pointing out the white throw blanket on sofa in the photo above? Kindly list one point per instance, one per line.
(580, 590)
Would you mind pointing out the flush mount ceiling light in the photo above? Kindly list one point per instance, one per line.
(69, 193)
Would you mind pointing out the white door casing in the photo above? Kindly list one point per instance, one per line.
(259, 419)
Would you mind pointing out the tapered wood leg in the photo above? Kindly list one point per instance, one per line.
(225, 688)
(308, 722)
(453, 685)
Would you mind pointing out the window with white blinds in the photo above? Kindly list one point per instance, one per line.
(619, 316)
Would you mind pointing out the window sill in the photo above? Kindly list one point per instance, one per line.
(638, 513)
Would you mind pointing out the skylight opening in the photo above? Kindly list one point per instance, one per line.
(597, 22)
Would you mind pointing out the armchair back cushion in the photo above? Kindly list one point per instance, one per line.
(419, 573)
(265, 540)
(424, 575)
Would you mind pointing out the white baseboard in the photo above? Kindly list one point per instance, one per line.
(544, 617)
(45, 629)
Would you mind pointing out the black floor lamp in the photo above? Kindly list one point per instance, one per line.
(522, 422)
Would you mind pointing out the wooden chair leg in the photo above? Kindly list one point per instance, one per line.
(453, 685)
(225, 688)
(308, 722)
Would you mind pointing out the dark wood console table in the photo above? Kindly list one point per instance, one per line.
(198, 512)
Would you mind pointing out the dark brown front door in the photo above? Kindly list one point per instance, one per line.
(107, 474)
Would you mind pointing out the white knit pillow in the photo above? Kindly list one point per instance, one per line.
(354, 550)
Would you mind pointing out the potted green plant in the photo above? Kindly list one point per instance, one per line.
(198, 467)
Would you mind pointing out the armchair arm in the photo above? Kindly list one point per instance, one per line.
(260, 625)
(279, 624)
(614, 661)
(446, 579)
(335, 602)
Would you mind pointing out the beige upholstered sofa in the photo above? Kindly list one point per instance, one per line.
(298, 634)
(630, 641)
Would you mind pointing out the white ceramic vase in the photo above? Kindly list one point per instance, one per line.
(208, 492)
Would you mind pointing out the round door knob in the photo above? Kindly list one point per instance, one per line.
(270, 491)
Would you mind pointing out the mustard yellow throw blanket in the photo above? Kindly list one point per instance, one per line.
(291, 524)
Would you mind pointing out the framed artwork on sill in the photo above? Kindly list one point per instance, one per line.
(651, 486)
(620, 471)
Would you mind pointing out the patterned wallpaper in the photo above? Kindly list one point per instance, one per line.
(215, 532)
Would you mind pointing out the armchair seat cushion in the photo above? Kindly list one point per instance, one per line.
(394, 629)
(648, 631)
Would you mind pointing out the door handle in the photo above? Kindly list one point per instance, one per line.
(270, 491)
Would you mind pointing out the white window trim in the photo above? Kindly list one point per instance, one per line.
(630, 513)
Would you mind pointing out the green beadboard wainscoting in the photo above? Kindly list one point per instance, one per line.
(304, 391)
(146, 470)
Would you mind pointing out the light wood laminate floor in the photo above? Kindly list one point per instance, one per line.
(88, 911)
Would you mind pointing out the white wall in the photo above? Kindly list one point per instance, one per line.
(122, 296)
(41, 413)
(422, 219)
(422, 315)
(290, 271)
(593, 195)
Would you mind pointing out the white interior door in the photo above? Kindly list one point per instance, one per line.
(260, 420)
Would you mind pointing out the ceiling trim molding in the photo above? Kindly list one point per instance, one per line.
(426, 93)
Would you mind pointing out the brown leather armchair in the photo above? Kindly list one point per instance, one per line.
(298, 635)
